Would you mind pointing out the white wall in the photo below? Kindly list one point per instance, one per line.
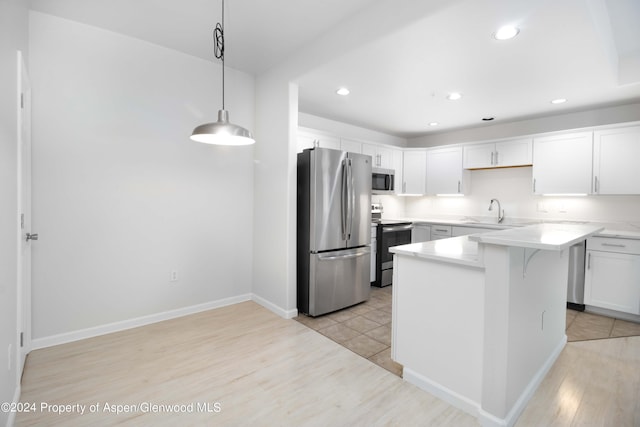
(574, 120)
(513, 187)
(274, 251)
(13, 37)
(121, 196)
(348, 131)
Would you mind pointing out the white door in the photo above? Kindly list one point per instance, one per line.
(24, 216)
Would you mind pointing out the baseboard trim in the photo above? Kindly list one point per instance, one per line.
(490, 420)
(441, 392)
(68, 337)
(286, 314)
(475, 408)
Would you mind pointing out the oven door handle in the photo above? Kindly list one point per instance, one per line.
(392, 228)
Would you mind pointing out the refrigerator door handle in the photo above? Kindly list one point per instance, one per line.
(365, 251)
(352, 198)
(344, 199)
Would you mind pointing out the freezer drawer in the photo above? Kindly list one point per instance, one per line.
(337, 279)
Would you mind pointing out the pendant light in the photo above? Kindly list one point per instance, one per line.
(221, 132)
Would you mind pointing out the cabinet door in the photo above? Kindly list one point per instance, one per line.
(612, 281)
(398, 167)
(372, 150)
(414, 172)
(562, 164)
(465, 231)
(350, 145)
(478, 156)
(444, 171)
(518, 152)
(420, 233)
(386, 157)
(615, 164)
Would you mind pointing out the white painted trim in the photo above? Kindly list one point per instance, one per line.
(134, 323)
(11, 419)
(286, 314)
(474, 408)
(441, 392)
(487, 419)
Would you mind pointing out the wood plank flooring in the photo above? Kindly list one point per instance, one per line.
(263, 371)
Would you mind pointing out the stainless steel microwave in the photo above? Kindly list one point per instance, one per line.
(382, 181)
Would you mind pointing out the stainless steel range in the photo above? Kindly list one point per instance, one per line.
(388, 233)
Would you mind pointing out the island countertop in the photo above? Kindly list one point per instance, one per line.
(456, 250)
(554, 237)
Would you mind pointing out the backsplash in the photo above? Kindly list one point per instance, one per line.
(512, 186)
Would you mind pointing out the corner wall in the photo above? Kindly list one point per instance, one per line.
(274, 222)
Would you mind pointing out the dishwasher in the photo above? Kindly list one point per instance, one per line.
(575, 285)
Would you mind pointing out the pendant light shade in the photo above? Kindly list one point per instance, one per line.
(221, 132)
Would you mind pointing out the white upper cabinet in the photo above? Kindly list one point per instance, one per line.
(307, 138)
(517, 152)
(398, 159)
(616, 161)
(414, 172)
(382, 156)
(444, 171)
(562, 164)
(350, 145)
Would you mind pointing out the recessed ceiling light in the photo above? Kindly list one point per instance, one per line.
(343, 91)
(454, 96)
(559, 101)
(505, 33)
(433, 124)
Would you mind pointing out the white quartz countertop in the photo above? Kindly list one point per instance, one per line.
(623, 230)
(456, 250)
(540, 236)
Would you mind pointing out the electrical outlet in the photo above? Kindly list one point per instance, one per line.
(173, 276)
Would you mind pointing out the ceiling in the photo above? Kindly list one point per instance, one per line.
(400, 58)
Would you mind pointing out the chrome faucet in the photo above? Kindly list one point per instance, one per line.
(500, 211)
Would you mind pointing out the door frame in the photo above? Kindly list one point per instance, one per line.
(23, 321)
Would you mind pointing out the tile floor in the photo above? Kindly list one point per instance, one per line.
(365, 328)
(583, 326)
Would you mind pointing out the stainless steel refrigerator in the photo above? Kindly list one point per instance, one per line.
(333, 230)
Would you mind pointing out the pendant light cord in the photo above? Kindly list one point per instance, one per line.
(218, 48)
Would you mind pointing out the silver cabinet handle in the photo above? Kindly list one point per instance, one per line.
(404, 187)
(492, 153)
(612, 245)
(458, 186)
(589, 261)
(534, 185)
(32, 236)
(497, 158)
(596, 185)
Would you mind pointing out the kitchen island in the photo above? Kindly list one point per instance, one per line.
(479, 320)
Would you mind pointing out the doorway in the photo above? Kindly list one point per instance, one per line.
(24, 216)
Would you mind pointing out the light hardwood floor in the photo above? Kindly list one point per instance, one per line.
(263, 371)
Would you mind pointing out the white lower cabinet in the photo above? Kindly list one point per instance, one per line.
(612, 277)
(420, 233)
(440, 232)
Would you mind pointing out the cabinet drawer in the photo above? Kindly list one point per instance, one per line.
(440, 231)
(612, 244)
